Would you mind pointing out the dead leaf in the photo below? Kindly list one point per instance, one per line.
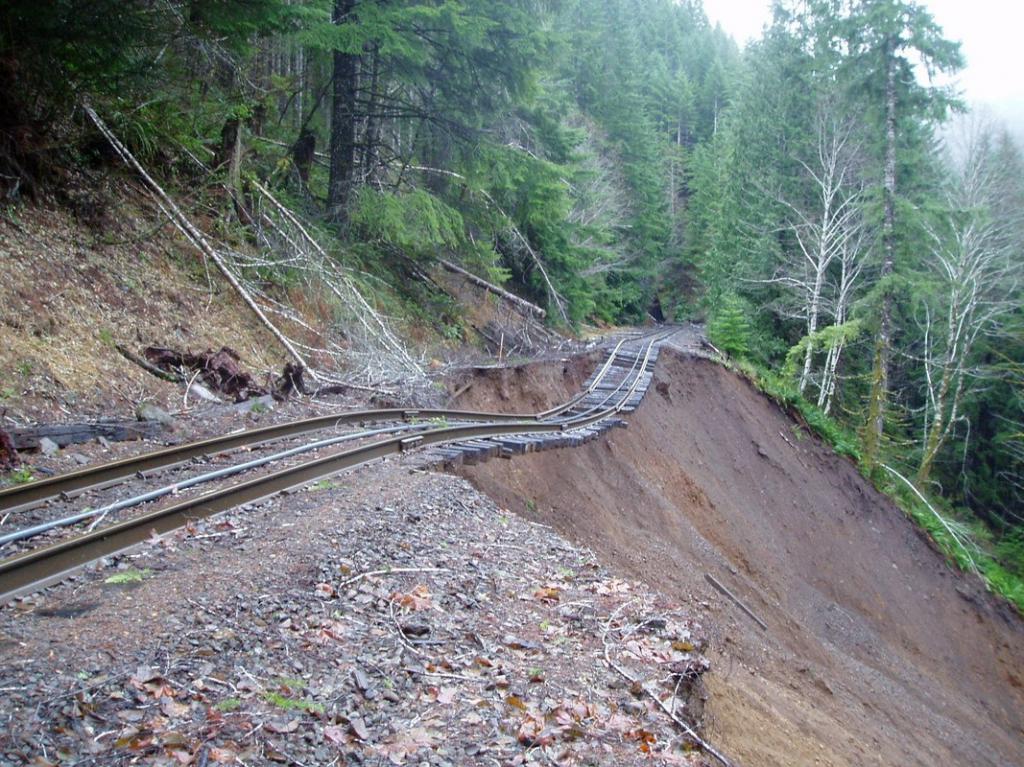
(281, 726)
(417, 599)
(546, 594)
(447, 695)
(222, 755)
(182, 757)
(144, 674)
(400, 745)
(336, 734)
(172, 709)
(324, 591)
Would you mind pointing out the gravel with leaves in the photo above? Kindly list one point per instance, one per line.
(386, 618)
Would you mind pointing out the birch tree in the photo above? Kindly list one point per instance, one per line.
(829, 232)
(976, 259)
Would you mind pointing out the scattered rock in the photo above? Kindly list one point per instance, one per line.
(203, 393)
(146, 411)
(78, 458)
(48, 447)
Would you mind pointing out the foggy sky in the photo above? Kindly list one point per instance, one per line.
(989, 31)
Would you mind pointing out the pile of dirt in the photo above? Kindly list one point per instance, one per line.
(529, 388)
(876, 651)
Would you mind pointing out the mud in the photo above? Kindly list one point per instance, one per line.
(876, 653)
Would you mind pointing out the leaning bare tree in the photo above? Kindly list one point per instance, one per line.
(975, 259)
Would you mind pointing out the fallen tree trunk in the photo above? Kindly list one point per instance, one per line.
(521, 304)
(191, 232)
(64, 434)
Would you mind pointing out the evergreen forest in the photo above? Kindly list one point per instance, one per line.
(849, 231)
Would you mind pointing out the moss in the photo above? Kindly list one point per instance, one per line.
(294, 704)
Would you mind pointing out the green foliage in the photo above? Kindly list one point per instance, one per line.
(416, 222)
(129, 576)
(294, 704)
(21, 476)
(1010, 551)
(830, 337)
(781, 388)
(730, 328)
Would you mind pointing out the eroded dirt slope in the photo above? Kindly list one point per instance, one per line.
(876, 652)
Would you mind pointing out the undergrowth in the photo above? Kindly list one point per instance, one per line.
(1001, 566)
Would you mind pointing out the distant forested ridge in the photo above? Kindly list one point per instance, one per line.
(613, 161)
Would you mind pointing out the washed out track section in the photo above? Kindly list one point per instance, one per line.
(614, 381)
(616, 387)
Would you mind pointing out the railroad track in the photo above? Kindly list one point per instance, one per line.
(616, 386)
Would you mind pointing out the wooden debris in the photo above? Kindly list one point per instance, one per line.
(739, 603)
(149, 367)
(219, 370)
(64, 434)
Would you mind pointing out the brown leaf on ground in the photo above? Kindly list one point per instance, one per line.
(417, 599)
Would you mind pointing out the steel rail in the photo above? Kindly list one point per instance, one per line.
(559, 409)
(37, 568)
(24, 496)
(104, 475)
(98, 514)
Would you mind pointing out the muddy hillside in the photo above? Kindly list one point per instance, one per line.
(876, 652)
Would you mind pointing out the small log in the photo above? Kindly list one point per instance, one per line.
(736, 600)
(64, 434)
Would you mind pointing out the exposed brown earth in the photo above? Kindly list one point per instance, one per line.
(876, 651)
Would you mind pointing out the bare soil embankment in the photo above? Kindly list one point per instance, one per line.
(876, 652)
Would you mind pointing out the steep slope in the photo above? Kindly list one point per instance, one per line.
(876, 651)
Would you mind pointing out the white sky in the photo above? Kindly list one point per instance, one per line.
(989, 30)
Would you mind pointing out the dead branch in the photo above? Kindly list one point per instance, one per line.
(516, 301)
(191, 232)
(391, 571)
(164, 375)
(736, 600)
(634, 682)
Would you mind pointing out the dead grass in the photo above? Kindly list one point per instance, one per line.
(69, 293)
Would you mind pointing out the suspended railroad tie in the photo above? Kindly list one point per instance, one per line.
(739, 603)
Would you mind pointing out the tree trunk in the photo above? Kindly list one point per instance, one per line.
(883, 349)
(812, 319)
(343, 124)
(373, 121)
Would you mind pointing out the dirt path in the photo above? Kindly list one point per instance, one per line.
(386, 618)
(876, 652)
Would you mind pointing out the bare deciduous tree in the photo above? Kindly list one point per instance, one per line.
(831, 240)
(975, 256)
